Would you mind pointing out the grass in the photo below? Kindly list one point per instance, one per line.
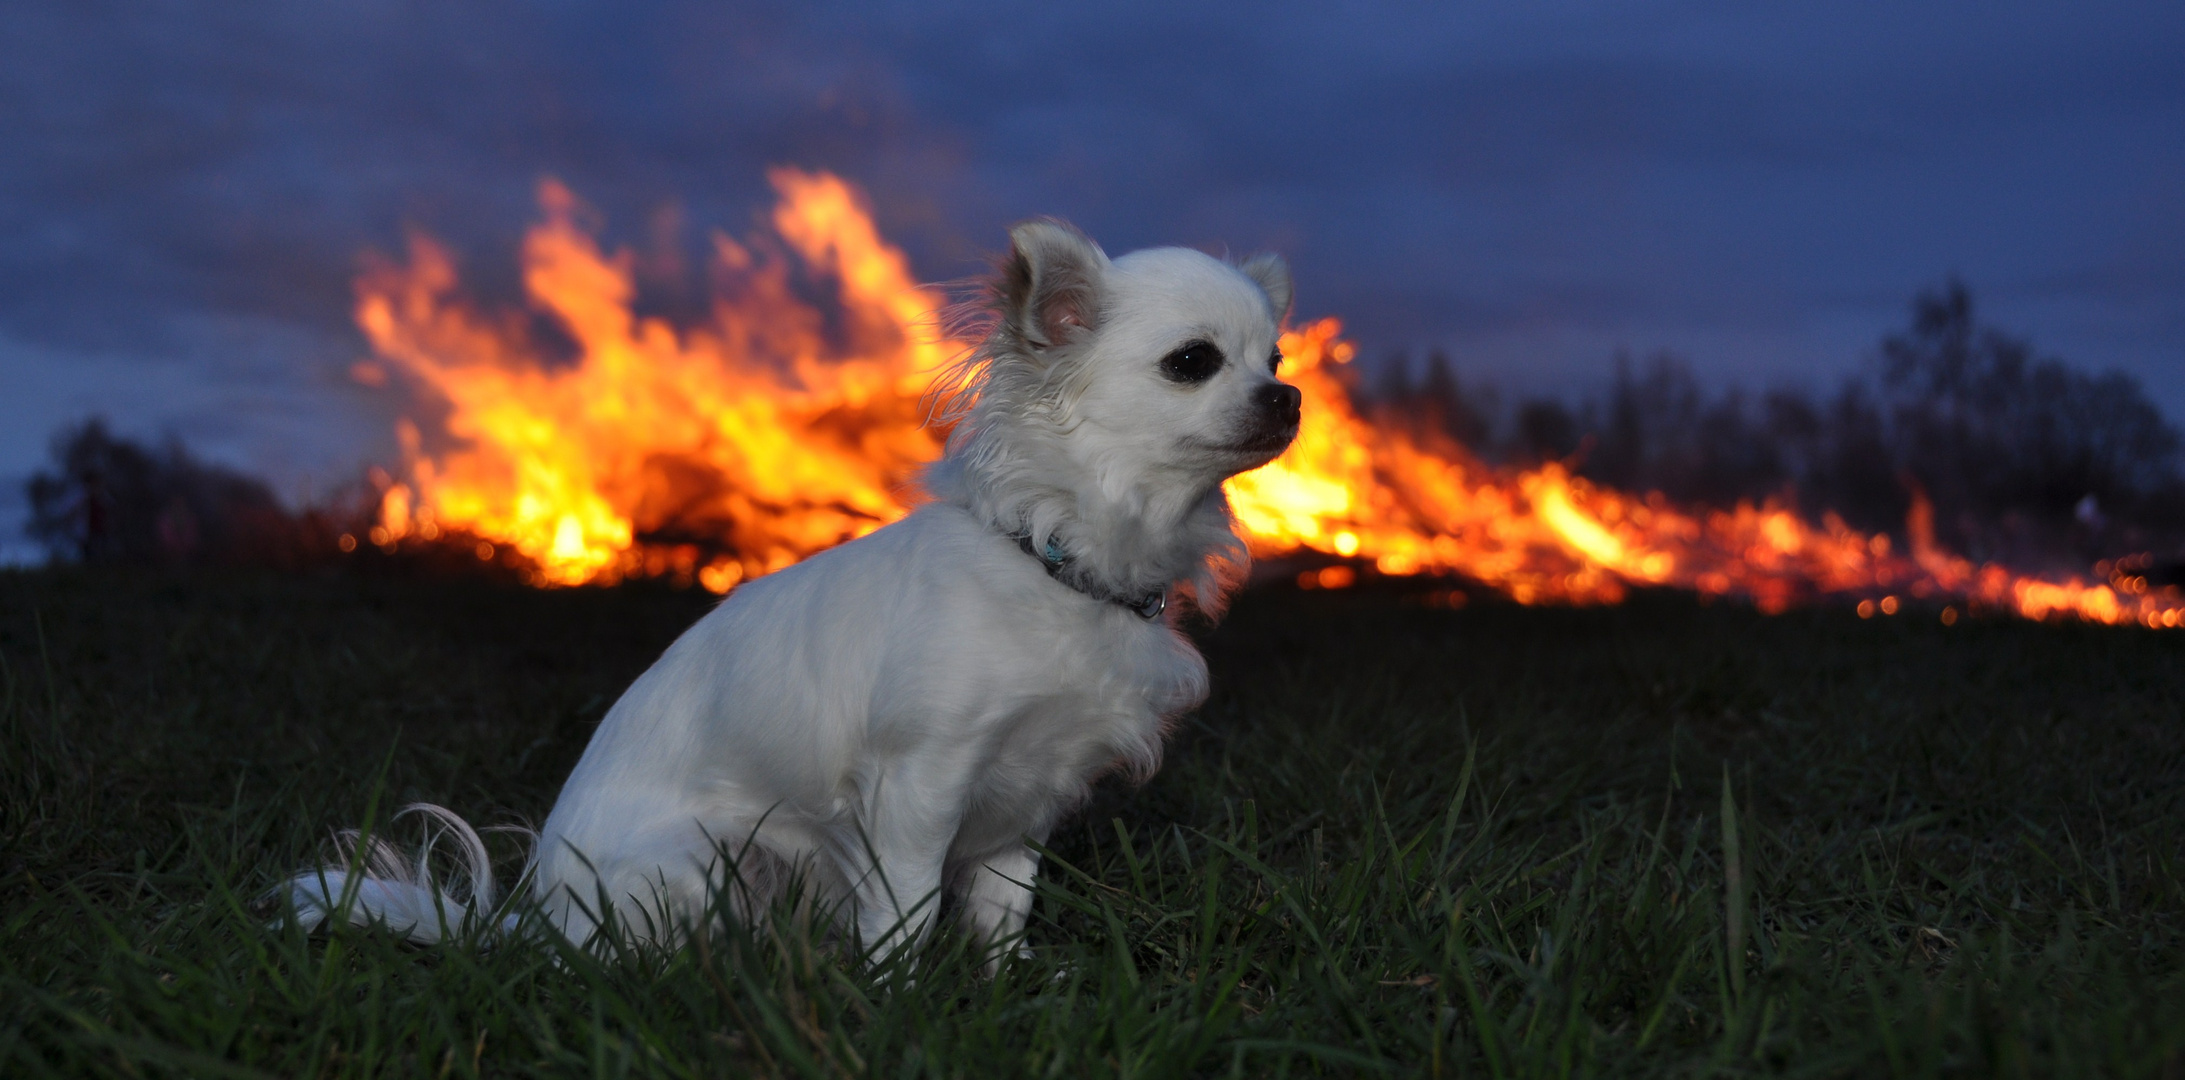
(1658, 839)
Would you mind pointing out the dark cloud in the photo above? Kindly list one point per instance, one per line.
(1531, 188)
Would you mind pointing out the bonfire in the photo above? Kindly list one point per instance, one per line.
(783, 424)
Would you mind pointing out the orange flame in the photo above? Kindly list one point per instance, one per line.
(718, 452)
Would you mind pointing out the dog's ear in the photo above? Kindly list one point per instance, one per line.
(1273, 276)
(1050, 284)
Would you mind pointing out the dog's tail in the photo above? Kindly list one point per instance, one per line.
(377, 884)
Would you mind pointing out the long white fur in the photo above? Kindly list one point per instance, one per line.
(899, 715)
(375, 884)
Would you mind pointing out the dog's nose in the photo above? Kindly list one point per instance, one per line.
(1279, 402)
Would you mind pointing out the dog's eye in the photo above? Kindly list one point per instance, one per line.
(1274, 361)
(1195, 362)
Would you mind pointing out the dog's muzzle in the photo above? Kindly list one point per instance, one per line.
(1275, 411)
(1279, 403)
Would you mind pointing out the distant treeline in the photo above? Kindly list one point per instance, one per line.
(106, 499)
(2028, 460)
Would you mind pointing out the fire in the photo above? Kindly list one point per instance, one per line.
(718, 452)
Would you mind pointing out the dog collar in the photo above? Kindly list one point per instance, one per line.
(1052, 559)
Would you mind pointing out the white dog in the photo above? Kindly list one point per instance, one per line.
(900, 715)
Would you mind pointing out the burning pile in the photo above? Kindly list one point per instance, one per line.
(718, 452)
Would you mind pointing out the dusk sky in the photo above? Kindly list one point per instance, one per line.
(185, 190)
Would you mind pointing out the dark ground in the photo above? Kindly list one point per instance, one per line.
(1400, 840)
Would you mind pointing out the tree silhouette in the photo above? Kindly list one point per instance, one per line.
(111, 500)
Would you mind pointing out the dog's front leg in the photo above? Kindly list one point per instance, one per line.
(998, 899)
(909, 822)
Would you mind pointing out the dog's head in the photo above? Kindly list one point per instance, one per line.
(1111, 398)
(1161, 365)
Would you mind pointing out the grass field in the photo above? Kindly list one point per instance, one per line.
(1658, 839)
